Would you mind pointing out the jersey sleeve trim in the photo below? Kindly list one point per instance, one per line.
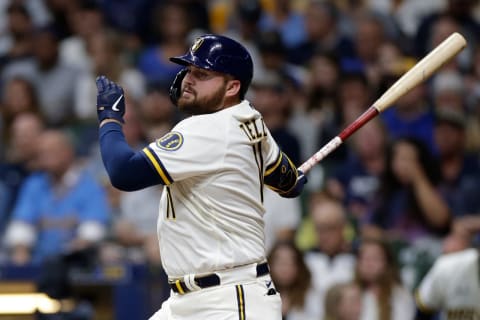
(275, 165)
(282, 176)
(157, 164)
(421, 305)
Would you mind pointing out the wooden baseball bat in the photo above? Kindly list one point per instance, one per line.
(413, 77)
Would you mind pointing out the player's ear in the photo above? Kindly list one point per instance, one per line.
(232, 88)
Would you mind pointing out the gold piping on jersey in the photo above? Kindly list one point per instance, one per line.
(275, 166)
(170, 207)
(179, 287)
(158, 166)
(240, 302)
(421, 305)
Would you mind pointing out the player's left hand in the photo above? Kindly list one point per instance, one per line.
(298, 188)
(110, 100)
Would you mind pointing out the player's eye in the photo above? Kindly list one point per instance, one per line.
(200, 74)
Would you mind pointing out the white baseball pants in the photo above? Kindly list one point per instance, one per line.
(240, 296)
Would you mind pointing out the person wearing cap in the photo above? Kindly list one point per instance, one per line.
(214, 166)
(460, 170)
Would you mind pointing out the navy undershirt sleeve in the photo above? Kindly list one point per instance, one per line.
(128, 170)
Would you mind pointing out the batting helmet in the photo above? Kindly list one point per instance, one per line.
(221, 54)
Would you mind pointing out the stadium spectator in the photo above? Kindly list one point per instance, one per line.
(20, 161)
(105, 52)
(270, 95)
(156, 111)
(408, 206)
(59, 13)
(243, 26)
(357, 179)
(448, 91)
(17, 42)
(172, 25)
(343, 301)
(352, 98)
(18, 96)
(292, 279)
(85, 20)
(314, 107)
(457, 15)
(368, 38)
(273, 57)
(60, 209)
(412, 116)
(472, 95)
(331, 260)
(54, 82)
(384, 296)
(460, 170)
(286, 20)
(322, 34)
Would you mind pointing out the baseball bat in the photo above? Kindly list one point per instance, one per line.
(421, 71)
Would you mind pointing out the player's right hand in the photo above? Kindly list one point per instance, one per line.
(110, 100)
(298, 188)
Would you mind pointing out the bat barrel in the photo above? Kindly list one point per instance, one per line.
(421, 71)
(444, 52)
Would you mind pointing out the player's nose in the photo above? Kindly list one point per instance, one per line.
(188, 79)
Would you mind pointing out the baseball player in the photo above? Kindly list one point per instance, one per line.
(452, 286)
(214, 165)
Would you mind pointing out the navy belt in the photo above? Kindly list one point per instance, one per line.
(211, 280)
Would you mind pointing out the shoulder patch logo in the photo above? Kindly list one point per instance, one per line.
(170, 142)
(196, 44)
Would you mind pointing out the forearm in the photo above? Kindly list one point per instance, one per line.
(128, 170)
(282, 175)
(431, 203)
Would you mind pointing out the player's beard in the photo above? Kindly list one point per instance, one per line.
(209, 104)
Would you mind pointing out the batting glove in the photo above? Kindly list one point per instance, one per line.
(298, 188)
(110, 100)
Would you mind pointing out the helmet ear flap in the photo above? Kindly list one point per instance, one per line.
(176, 87)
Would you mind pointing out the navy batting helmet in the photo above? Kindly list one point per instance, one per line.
(221, 54)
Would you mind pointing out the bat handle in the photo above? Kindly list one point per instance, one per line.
(320, 154)
(333, 144)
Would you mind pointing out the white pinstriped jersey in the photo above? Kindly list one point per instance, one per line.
(211, 211)
(453, 286)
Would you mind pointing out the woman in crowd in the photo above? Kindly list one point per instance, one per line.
(408, 206)
(343, 301)
(292, 279)
(384, 296)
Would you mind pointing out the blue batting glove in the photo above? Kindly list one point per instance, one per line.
(110, 100)
(298, 188)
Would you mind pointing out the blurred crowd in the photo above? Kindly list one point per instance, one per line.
(377, 212)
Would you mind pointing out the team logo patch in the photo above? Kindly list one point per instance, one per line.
(197, 44)
(171, 141)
